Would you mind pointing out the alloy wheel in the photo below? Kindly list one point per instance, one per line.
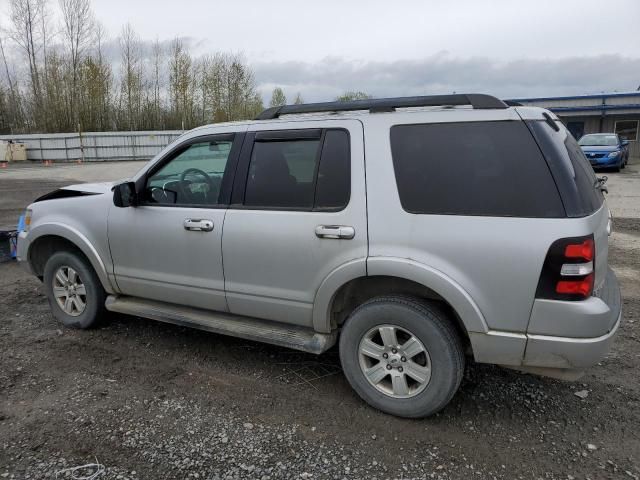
(394, 361)
(69, 291)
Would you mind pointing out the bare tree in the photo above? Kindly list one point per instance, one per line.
(11, 105)
(78, 29)
(181, 85)
(157, 65)
(131, 78)
(26, 17)
(352, 95)
(298, 100)
(278, 98)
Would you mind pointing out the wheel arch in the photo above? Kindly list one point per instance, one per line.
(347, 287)
(47, 239)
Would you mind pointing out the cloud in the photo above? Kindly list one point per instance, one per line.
(442, 73)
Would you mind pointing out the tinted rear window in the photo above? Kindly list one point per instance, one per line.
(570, 168)
(300, 170)
(334, 173)
(473, 168)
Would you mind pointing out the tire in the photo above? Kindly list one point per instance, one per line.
(427, 323)
(60, 267)
(617, 168)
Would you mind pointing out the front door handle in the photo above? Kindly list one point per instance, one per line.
(335, 232)
(198, 225)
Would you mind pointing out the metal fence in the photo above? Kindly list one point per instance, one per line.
(94, 146)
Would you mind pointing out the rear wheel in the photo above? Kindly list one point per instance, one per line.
(74, 291)
(402, 355)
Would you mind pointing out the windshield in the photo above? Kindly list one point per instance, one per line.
(598, 141)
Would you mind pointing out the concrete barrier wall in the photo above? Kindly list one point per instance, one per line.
(94, 146)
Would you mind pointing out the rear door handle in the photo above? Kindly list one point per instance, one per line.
(335, 232)
(198, 225)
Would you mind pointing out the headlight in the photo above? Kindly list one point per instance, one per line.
(614, 153)
(27, 220)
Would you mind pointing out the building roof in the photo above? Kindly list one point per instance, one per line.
(602, 95)
(598, 104)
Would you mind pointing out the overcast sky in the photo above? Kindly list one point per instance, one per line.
(404, 47)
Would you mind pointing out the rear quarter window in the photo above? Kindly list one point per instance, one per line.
(571, 170)
(473, 168)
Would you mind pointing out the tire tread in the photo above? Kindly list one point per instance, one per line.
(440, 318)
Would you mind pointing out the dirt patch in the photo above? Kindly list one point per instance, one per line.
(169, 402)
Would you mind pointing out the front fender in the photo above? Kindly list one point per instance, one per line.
(72, 235)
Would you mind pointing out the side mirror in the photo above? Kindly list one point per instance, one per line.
(124, 195)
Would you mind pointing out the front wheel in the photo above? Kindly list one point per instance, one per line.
(402, 355)
(74, 291)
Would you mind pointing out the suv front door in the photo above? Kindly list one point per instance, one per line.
(298, 213)
(168, 248)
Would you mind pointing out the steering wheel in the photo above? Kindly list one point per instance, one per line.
(186, 192)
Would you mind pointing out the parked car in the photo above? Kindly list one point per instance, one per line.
(605, 150)
(414, 232)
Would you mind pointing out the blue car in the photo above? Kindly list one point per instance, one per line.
(605, 150)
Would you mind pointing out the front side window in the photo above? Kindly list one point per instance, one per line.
(627, 129)
(300, 173)
(193, 176)
(473, 168)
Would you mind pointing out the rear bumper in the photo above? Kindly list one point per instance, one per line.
(562, 336)
(575, 351)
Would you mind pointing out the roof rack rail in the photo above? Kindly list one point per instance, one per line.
(377, 105)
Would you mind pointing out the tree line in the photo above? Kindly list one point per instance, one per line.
(59, 79)
(56, 77)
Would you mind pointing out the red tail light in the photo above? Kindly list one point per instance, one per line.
(568, 272)
(584, 250)
(582, 287)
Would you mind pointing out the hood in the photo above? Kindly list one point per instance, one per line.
(598, 148)
(79, 190)
(94, 188)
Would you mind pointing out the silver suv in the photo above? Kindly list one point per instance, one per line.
(415, 232)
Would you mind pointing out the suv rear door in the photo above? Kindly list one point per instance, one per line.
(298, 212)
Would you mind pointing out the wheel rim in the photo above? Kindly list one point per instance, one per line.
(69, 291)
(394, 361)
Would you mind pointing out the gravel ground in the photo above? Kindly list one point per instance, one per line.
(150, 400)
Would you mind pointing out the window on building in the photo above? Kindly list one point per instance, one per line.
(627, 129)
(576, 128)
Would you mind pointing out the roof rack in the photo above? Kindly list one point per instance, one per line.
(378, 105)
